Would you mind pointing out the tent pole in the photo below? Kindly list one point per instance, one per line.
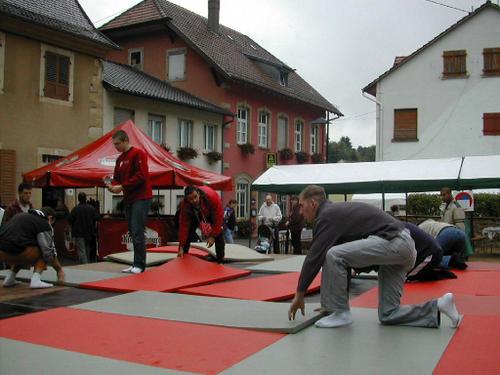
(345, 197)
(406, 206)
(383, 201)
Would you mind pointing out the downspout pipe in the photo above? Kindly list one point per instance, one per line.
(379, 125)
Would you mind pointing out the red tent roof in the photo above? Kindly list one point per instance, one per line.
(89, 165)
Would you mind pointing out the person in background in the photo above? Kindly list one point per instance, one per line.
(229, 221)
(27, 239)
(394, 210)
(131, 176)
(270, 215)
(83, 219)
(21, 204)
(201, 208)
(451, 212)
(356, 235)
(294, 224)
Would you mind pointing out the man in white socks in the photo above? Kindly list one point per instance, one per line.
(27, 240)
(358, 235)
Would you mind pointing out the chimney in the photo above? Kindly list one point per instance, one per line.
(213, 15)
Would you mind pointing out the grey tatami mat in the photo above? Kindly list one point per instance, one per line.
(291, 264)
(233, 252)
(22, 358)
(152, 259)
(74, 277)
(267, 316)
(365, 347)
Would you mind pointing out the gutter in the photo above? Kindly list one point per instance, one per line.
(378, 124)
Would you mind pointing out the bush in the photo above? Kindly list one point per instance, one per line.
(301, 157)
(247, 148)
(213, 156)
(286, 153)
(487, 205)
(423, 204)
(187, 153)
(245, 228)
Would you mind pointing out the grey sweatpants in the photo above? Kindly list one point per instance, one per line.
(394, 258)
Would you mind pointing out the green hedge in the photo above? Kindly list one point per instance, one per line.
(486, 205)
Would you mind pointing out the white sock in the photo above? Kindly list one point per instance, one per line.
(10, 279)
(446, 305)
(36, 282)
(335, 320)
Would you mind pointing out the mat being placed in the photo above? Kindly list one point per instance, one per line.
(474, 349)
(153, 342)
(172, 249)
(291, 264)
(24, 359)
(266, 288)
(365, 347)
(176, 274)
(74, 277)
(152, 259)
(233, 252)
(466, 304)
(265, 316)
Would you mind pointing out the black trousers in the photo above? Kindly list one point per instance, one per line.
(220, 244)
(296, 241)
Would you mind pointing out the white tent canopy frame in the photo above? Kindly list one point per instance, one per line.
(401, 176)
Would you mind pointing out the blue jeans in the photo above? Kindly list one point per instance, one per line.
(228, 235)
(136, 214)
(452, 241)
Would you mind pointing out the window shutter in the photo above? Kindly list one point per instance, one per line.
(491, 124)
(50, 75)
(405, 124)
(454, 63)
(491, 58)
(56, 76)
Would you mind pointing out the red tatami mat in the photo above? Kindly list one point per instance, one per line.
(153, 342)
(176, 274)
(266, 288)
(478, 305)
(474, 348)
(173, 249)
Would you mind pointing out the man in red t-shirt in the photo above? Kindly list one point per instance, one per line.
(131, 177)
(202, 207)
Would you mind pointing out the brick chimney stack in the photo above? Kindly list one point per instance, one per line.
(213, 15)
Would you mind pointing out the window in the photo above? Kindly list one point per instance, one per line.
(299, 130)
(57, 75)
(242, 198)
(454, 63)
(135, 58)
(283, 78)
(242, 126)
(314, 139)
(263, 128)
(120, 115)
(209, 137)
(282, 132)
(491, 58)
(47, 158)
(156, 128)
(405, 125)
(2, 59)
(185, 133)
(491, 123)
(176, 64)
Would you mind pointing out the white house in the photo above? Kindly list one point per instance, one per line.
(443, 100)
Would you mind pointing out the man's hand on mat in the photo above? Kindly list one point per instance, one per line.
(210, 241)
(297, 303)
(61, 277)
(180, 252)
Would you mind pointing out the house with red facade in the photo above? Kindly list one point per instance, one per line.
(276, 111)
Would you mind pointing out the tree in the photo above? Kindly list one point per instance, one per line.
(343, 151)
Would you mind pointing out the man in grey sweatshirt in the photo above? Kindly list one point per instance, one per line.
(359, 235)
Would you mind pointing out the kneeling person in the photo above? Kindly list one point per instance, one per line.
(27, 240)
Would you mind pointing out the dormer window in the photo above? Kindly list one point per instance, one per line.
(283, 78)
(135, 58)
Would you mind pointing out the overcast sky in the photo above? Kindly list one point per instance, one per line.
(337, 46)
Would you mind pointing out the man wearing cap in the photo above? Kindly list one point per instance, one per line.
(27, 239)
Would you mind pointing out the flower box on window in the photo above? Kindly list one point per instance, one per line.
(302, 157)
(247, 148)
(286, 154)
(213, 156)
(317, 158)
(187, 153)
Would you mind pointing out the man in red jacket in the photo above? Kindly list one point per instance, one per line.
(131, 177)
(201, 208)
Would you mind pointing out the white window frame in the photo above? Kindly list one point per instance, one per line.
(242, 198)
(285, 140)
(139, 66)
(2, 60)
(299, 132)
(242, 126)
(156, 128)
(209, 140)
(263, 127)
(170, 73)
(314, 139)
(185, 138)
(46, 48)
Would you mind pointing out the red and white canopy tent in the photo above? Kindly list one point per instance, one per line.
(88, 166)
